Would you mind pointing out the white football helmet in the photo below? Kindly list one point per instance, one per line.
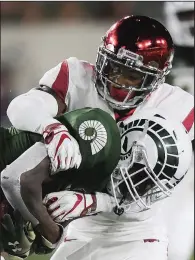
(179, 18)
(156, 153)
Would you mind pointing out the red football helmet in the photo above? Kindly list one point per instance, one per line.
(134, 58)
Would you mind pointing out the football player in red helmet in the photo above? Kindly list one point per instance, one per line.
(129, 76)
(132, 61)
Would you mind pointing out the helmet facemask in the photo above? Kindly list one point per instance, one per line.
(114, 75)
(136, 186)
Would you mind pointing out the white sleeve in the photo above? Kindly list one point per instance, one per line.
(30, 111)
(33, 110)
(57, 78)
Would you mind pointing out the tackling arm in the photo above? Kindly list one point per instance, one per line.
(22, 185)
(31, 192)
(35, 109)
(34, 112)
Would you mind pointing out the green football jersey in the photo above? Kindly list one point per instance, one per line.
(98, 138)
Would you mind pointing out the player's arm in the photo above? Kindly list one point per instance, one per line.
(43, 102)
(35, 112)
(21, 183)
(31, 192)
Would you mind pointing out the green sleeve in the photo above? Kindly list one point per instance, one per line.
(13, 143)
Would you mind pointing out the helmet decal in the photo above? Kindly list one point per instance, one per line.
(167, 151)
(155, 156)
(95, 132)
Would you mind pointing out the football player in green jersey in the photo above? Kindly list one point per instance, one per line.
(26, 175)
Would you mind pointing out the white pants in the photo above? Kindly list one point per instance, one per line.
(97, 249)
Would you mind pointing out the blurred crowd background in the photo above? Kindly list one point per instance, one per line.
(36, 36)
(41, 34)
(30, 12)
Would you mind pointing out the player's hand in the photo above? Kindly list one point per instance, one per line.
(17, 236)
(43, 246)
(67, 205)
(62, 148)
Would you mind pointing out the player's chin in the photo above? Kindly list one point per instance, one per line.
(120, 94)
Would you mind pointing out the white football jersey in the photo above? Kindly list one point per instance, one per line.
(73, 80)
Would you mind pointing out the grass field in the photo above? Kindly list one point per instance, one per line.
(36, 257)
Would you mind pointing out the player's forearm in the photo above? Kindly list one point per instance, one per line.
(21, 182)
(32, 110)
(31, 192)
(11, 183)
(32, 196)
